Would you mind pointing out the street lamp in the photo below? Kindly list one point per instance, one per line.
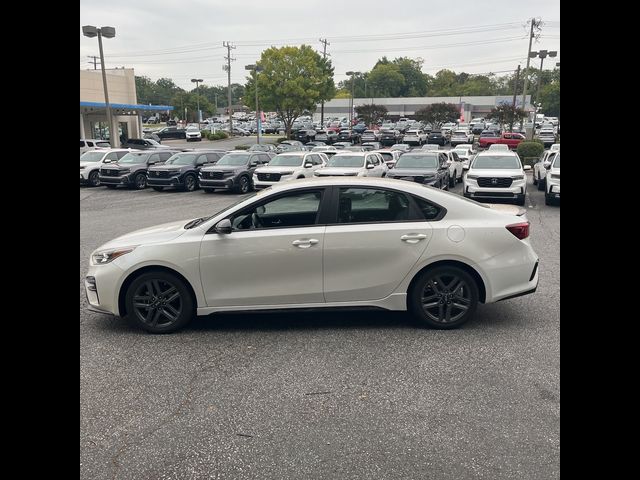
(542, 54)
(256, 68)
(353, 83)
(197, 81)
(107, 32)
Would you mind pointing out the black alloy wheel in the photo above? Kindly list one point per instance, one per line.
(190, 183)
(140, 181)
(94, 179)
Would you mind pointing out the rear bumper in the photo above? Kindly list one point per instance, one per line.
(512, 274)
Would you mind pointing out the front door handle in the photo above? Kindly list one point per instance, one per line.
(304, 242)
(413, 237)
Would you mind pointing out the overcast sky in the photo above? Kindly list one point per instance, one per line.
(183, 39)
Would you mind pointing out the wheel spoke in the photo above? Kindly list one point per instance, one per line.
(141, 297)
(448, 313)
(429, 298)
(441, 311)
(463, 300)
(156, 317)
(156, 286)
(150, 315)
(460, 306)
(141, 305)
(431, 305)
(168, 314)
(173, 310)
(169, 290)
(149, 286)
(433, 287)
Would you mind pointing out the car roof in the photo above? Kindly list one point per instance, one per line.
(506, 153)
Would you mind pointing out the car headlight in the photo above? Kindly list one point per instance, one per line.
(81, 168)
(472, 177)
(106, 256)
(518, 177)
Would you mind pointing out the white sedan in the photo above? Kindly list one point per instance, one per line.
(319, 243)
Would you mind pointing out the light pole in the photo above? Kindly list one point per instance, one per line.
(353, 84)
(256, 68)
(107, 32)
(542, 54)
(197, 81)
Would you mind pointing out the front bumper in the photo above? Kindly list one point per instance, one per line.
(164, 182)
(553, 189)
(515, 191)
(124, 180)
(227, 183)
(106, 280)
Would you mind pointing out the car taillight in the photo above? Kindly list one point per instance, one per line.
(520, 230)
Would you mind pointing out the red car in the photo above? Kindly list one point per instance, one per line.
(510, 139)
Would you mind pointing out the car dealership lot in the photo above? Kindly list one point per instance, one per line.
(320, 395)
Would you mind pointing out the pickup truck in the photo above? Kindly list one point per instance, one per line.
(510, 139)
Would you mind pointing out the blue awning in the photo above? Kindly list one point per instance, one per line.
(126, 106)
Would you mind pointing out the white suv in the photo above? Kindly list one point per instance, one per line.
(288, 166)
(455, 167)
(552, 187)
(352, 164)
(91, 161)
(415, 136)
(496, 174)
(540, 168)
(193, 133)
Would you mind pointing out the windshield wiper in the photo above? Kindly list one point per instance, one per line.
(197, 221)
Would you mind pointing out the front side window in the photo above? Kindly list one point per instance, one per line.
(155, 158)
(296, 209)
(213, 157)
(371, 205)
(164, 156)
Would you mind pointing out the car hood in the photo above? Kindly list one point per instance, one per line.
(277, 169)
(495, 172)
(155, 234)
(223, 168)
(168, 167)
(411, 172)
(339, 171)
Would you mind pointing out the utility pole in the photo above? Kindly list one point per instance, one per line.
(534, 24)
(515, 90)
(227, 67)
(324, 55)
(95, 61)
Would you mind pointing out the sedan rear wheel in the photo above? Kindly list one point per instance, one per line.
(444, 297)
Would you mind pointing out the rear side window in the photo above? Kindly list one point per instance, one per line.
(429, 210)
(111, 156)
(81, 144)
(213, 157)
(372, 205)
(155, 158)
(164, 156)
(121, 154)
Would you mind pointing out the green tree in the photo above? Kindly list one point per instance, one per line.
(294, 79)
(371, 113)
(415, 82)
(438, 113)
(444, 84)
(387, 80)
(190, 101)
(506, 114)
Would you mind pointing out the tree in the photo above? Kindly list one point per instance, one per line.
(294, 79)
(190, 101)
(415, 82)
(506, 114)
(371, 113)
(387, 80)
(438, 113)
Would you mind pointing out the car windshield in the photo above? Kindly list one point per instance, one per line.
(436, 132)
(134, 157)
(342, 160)
(496, 161)
(460, 133)
(417, 161)
(388, 157)
(461, 152)
(193, 129)
(92, 156)
(488, 134)
(234, 159)
(286, 161)
(556, 163)
(182, 159)
(103, 144)
(259, 148)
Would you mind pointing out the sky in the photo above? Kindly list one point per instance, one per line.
(182, 40)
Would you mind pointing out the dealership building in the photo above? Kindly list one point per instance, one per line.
(126, 112)
(470, 107)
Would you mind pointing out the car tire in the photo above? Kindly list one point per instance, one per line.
(520, 200)
(94, 179)
(244, 185)
(190, 183)
(208, 190)
(443, 288)
(547, 199)
(139, 182)
(159, 302)
(535, 178)
(541, 184)
(158, 189)
(111, 187)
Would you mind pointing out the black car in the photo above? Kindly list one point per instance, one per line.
(131, 170)
(171, 132)
(152, 136)
(437, 137)
(478, 128)
(234, 171)
(182, 169)
(305, 135)
(347, 135)
(428, 168)
(389, 137)
(359, 128)
(142, 143)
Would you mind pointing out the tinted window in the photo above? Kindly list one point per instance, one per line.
(429, 210)
(370, 205)
(155, 158)
(202, 159)
(213, 157)
(111, 156)
(81, 144)
(121, 154)
(182, 159)
(342, 160)
(164, 156)
(263, 158)
(296, 209)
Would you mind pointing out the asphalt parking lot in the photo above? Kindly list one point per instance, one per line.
(318, 395)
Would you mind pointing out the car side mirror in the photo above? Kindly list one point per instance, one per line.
(370, 166)
(107, 161)
(254, 164)
(547, 166)
(308, 165)
(527, 167)
(223, 227)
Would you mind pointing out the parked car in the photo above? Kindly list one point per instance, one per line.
(555, 147)
(511, 140)
(263, 147)
(341, 145)
(234, 171)
(289, 146)
(369, 146)
(417, 137)
(193, 134)
(171, 123)
(547, 137)
(552, 183)
(143, 144)
(389, 136)
(92, 160)
(305, 135)
(498, 146)
(465, 153)
(362, 164)
(437, 137)
(308, 236)
(288, 166)
(478, 127)
(131, 170)
(360, 128)
(390, 157)
(401, 147)
(496, 175)
(455, 167)
(461, 136)
(369, 136)
(327, 136)
(348, 135)
(182, 169)
(328, 150)
(541, 166)
(172, 132)
(424, 167)
(87, 144)
(151, 136)
(487, 137)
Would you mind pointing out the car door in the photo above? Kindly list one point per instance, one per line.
(272, 256)
(374, 239)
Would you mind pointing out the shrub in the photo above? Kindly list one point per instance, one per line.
(242, 147)
(530, 149)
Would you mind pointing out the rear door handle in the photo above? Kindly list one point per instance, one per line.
(413, 237)
(304, 242)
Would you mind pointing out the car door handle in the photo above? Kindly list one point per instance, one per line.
(413, 237)
(304, 243)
